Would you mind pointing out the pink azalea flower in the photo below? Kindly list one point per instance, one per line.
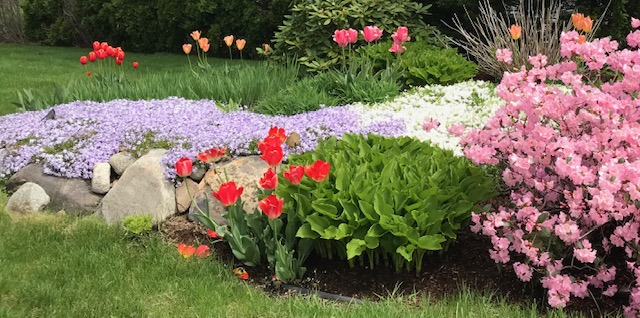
(456, 130)
(504, 55)
(429, 123)
(635, 23)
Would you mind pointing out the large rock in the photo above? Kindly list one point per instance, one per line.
(244, 171)
(120, 162)
(142, 189)
(204, 199)
(184, 194)
(71, 195)
(101, 180)
(29, 198)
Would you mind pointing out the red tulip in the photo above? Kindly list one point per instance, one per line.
(318, 171)
(120, 55)
(228, 193)
(118, 62)
(278, 132)
(371, 33)
(104, 45)
(294, 174)
(136, 64)
(269, 180)
(88, 73)
(184, 167)
(272, 155)
(92, 56)
(352, 36)
(271, 206)
(212, 234)
(186, 250)
(96, 45)
(341, 37)
(102, 54)
(211, 155)
(203, 251)
(110, 51)
(83, 60)
(401, 35)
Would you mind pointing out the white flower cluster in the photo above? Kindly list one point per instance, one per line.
(470, 103)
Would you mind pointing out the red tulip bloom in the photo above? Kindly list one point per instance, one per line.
(278, 132)
(294, 174)
(186, 250)
(118, 62)
(212, 234)
(211, 155)
(272, 155)
(136, 64)
(184, 167)
(102, 54)
(96, 45)
(271, 206)
(111, 52)
(83, 60)
(269, 180)
(104, 46)
(203, 251)
(318, 171)
(119, 54)
(88, 73)
(92, 56)
(228, 193)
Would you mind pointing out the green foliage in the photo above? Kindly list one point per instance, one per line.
(423, 64)
(138, 224)
(385, 197)
(299, 97)
(307, 31)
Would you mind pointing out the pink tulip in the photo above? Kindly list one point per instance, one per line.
(397, 48)
(352, 35)
(371, 33)
(341, 37)
(401, 35)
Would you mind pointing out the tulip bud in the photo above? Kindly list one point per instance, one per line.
(135, 64)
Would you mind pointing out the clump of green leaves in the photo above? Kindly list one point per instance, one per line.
(138, 224)
(313, 44)
(385, 199)
(423, 64)
(299, 97)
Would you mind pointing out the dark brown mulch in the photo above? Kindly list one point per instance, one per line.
(467, 263)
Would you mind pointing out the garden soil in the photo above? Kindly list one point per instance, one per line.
(467, 263)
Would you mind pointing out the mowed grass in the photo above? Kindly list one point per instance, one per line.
(62, 266)
(40, 69)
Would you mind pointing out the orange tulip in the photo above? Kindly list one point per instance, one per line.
(187, 48)
(515, 31)
(586, 24)
(195, 35)
(228, 40)
(203, 42)
(576, 18)
(205, 47)
(581, 39)
(266, 48)
(240, 43)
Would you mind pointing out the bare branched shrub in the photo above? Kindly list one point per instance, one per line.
(11, 21)
(541, 29)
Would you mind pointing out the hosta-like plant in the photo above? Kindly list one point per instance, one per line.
(386, 199)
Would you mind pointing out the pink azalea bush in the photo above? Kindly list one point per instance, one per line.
(571, 158)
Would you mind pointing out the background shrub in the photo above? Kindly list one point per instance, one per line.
(11, 29)
(313, 43)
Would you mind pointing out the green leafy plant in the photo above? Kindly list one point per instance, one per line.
(299, 97)
(138, 224)
(313, 43)
(422, 64)
(387, 199)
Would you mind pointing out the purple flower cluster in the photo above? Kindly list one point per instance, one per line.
(85, 133)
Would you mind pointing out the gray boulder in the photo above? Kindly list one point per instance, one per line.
(184, 193)
(29, 198)
(142, 189)
(71, 195)
(121, 161)
(101, 180)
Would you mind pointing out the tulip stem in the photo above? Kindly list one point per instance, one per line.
(230, 55)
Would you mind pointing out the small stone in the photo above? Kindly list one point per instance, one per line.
(198, 173)
(184, 194)
(29, 198)
(101, 180)
(121, 161)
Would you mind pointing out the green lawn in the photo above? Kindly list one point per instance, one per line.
(40, 68)
(62, 266)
